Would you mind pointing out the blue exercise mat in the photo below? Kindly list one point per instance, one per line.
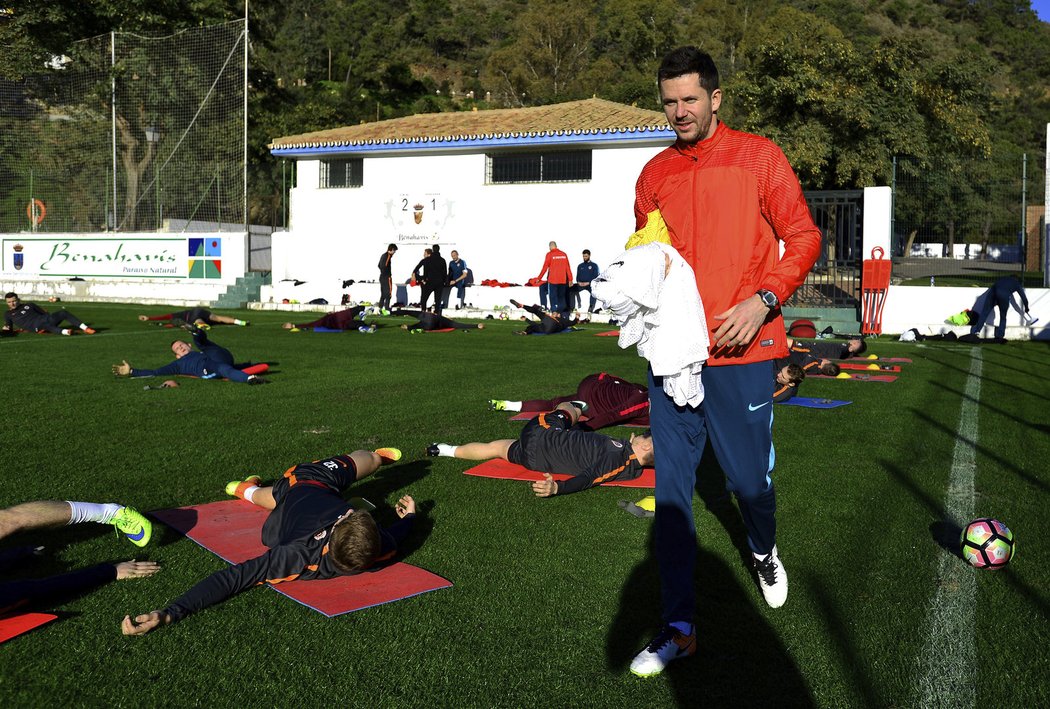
(559, 332)
(811, 403)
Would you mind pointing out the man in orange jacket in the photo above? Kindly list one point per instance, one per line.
(559, 276)
(725, 200)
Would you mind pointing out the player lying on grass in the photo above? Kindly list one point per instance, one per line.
(312, 533)
(810, 364)
(30, 316)
(787, 379)
(829, 350)
(610, 401)
(349, 319)
(432, 321)
(210, 362)
(549, 323)
(201, 317)
(549, 444)
(48, 514)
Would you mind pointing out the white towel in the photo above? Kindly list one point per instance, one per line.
(663, 315)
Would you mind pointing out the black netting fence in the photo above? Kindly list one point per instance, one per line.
(128, 133)
(961, 222)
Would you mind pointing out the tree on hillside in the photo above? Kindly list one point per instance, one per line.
(551, 49)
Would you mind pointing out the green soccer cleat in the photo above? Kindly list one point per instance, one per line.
(497, 404)
(133, 525)
(234, 487)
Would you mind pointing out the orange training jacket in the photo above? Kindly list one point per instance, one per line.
(725, 203)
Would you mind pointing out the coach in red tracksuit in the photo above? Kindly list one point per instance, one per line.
(559, 276)
(725, 200)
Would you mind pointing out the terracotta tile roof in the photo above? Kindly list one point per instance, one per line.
(593, 116)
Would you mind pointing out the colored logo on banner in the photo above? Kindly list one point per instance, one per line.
(19, 257)
(205, 257)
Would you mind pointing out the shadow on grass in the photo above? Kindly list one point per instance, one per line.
(994, 409)
(173, 527)
(837, 627)
(740, 661)
(44, 588)
(1002, 462)
(1030, 594)
(947, 534)
(383, 484)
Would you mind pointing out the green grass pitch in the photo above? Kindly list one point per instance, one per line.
(551, 597)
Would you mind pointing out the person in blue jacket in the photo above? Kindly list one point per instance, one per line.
(210, 362)
(586, 272)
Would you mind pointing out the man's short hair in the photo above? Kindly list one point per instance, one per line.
(587, 251)
(391, 247)
(12, 294)
(795, 374)
(436, 248)
(830, 369)
(689, 60)
(355, 542)
(861, 347)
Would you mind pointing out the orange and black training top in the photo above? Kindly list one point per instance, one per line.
(549, 444)
(726, 204)
(309, 501)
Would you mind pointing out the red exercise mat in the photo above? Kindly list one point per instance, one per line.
(858, 377)
(14, 625)
(231, 529)
(871, 366)
(500, 469)
(608, 333)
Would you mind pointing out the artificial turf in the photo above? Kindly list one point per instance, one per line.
(551, 598)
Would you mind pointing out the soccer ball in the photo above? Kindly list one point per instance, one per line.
(987, 543)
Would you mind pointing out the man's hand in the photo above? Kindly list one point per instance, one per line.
(546, 487)
(144, 623)
(123, 369)
(405, 506)
(132, 569)
(143, 318)
(740, 323)
(169, 384)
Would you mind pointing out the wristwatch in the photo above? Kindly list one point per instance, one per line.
(769, 298)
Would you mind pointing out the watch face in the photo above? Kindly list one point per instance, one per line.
(769, 298)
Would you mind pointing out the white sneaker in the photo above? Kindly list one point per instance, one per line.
(772, 578)
(669, 645)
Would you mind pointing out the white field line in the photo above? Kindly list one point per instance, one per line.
(947, 661)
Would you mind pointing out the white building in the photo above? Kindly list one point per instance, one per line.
(496, 186)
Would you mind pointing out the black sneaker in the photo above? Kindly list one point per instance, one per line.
(433, 451)
(255, 379)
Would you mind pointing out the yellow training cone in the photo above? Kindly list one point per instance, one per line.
(843, 375)
(873, 366)
(873, 356)
(647, 503)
